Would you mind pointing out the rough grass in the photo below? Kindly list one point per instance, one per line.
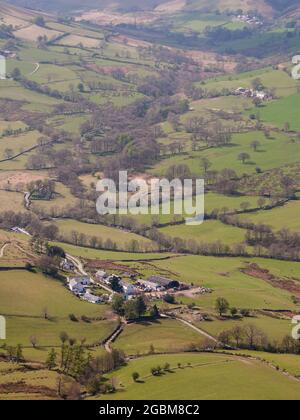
(18, 143)
(31, 33)
(11, 200)
(75, 41)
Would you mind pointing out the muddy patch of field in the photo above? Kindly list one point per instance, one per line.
(254, 270)
(109, 265)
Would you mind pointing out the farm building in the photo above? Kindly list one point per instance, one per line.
(101, 275)
(78, 284)
(67, 265)
(129, 290)
(163, 282)
(148, 286)
(91, 298)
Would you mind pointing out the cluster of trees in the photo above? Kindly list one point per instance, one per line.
(70, 96)
(75, 362)
(221, 34)
(42, 189)
(14, 353)
(132, 309)
(6, 31)
(214, 135)
(284, 244)
(253, 338)
(14, 132)
(177, 244)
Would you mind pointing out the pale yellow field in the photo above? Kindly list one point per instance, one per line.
(31, 33)
(11, 201)
(14, 21)
(75, 40)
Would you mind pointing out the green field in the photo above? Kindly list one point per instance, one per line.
(24, 293)
(164, 335)
(275, 329)
(210, 231)
(282, 83)
(210, 377)
(62, 199)
(287, 362)
(19, 143)
(278, 218)
(224, 276)
(279, 151)
(283, 111)
(120, 237)
(212, 202)
(24, 298)
(90, 253)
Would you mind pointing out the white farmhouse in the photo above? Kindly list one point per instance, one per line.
(91, 298)
(77, 285)
(129, 290)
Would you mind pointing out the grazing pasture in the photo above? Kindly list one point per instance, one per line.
(279, 81)
(209, 231)
(163, 335)
(204, 377)
(35, 384)
(95, 254)
(28, 294)
(225, 278)
(120, 237)
(272, 153)
(11, 200)
(18, 143)
(274, 329)
(76, 40)
(279, 113)
(286, 217)
(31, 33)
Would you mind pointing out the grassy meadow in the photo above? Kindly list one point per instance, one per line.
(208, 377)
(164, 335)
(120, 237)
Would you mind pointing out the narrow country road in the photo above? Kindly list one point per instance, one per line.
(78, 264)
(107, 344)
(3, 249)
(80, 270)
(37, 67)
(27, 200)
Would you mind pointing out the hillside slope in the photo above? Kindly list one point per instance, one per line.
(265, 7)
